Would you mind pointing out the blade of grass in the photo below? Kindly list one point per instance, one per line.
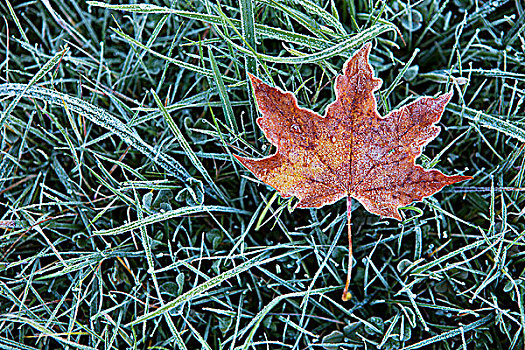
(43, 71)
(187, 149)
(212, 282)
(159, 217)
(100, 117)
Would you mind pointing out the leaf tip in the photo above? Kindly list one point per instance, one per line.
(397, 216)
(239, 158)
(448, 96)
(459, 178)
(359, 64)
(246, 162)
(364, 51)
(254, 79)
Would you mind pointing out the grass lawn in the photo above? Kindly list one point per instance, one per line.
(126, 222)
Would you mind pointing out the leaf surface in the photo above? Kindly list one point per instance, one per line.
(351, 151)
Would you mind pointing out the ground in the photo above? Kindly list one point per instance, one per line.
(126, 222)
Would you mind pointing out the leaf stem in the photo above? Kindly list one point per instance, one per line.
(346, 295)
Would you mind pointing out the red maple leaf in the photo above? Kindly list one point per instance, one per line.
(351, 151)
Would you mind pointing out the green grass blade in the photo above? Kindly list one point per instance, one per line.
(223, 94)
(44, 331)
(43, 71)
(337, 49)
(137, 8)
(256, 321)
(182, 64)
(453, 333)
(160, 217)
(488, 121)
(187, 149)
(200, 289)
(100, 117)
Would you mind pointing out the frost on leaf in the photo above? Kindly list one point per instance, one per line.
(351, 150)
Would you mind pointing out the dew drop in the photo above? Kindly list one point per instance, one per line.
(333, 139)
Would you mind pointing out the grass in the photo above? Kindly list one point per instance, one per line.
(127, 223)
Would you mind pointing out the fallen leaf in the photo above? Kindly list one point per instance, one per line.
(351, 151)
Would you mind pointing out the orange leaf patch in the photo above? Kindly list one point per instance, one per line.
(351, 151)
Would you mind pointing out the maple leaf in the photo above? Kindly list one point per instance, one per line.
(351, 151)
